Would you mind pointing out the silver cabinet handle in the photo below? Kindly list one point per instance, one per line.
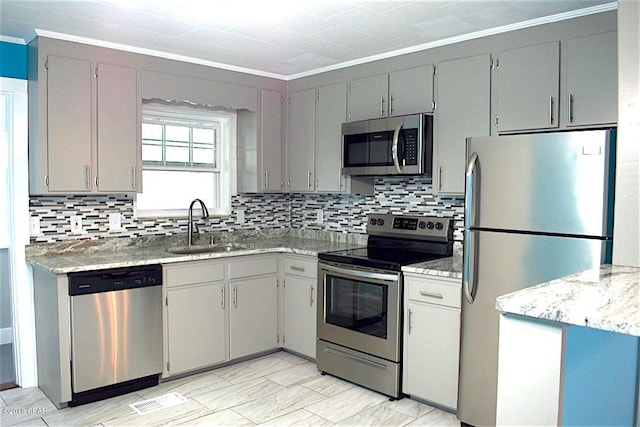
(394, 147)
(409, 313)
(311, 299)
(390, 104)
(235, 297)
(266, 179)
(133, 177)
(382, 106)
(440, 178)
(570, 109)
(468, 273)
(296, 268)
(308, 179)
(551, 110)
(86, 177)
(431, 295)
(222, 297)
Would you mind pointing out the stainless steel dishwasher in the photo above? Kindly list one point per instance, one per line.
(116, 331)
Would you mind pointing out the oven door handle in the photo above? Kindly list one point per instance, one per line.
(353, 273)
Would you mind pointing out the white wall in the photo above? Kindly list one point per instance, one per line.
(626, 232)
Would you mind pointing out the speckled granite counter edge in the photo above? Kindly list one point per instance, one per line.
(606, 298)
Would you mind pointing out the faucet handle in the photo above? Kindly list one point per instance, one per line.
(212, 240)
(195, 228)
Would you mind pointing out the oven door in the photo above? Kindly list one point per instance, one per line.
(360, 309)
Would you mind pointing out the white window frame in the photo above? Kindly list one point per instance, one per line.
(225, 163)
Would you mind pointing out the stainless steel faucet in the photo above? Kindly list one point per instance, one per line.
(205, 214)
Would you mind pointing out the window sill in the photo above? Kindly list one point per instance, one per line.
(180, 214)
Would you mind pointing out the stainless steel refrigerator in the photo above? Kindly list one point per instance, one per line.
(536, 209)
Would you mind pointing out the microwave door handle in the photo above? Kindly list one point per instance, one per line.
(394, 147)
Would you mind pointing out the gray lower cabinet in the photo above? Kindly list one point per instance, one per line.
(431, 339)
(529, 88)
(463, 90)
(592, 80)
(195, 316)
(300, 295)
(253, 305)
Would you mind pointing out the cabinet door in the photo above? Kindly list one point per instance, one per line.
(301, 140)
(271, 147)
(118, 124)
(331, 112)
(431, 345)
(528, 87)
(300, 315)
(69, 129)
(368, 98)
(196, 326)
(253, 316)
(464, 90)
(592, 80)
(411, 91)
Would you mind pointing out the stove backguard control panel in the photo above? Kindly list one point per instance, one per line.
(420, 227)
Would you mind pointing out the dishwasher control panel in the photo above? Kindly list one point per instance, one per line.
(114, 279)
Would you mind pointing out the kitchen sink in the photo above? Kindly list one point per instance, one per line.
(199, 249)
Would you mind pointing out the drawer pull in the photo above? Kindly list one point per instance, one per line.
(431, 295)
(296, 268)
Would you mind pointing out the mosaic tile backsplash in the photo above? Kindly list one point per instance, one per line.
(341, 213)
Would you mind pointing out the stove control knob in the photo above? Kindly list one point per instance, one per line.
(422, 224)
(430, 225)
(380, 221)
(439, 226)
(372, 221)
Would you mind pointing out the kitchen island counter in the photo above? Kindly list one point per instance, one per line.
(606, 298)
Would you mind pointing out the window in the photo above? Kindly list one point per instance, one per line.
(185, 155)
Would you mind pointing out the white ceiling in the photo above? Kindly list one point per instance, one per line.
(279, 38)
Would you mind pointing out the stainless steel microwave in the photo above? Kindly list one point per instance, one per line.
(391, 146)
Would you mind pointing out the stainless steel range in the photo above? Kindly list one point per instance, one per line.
(360, 298)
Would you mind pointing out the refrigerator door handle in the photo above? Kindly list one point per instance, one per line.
(469, 218)
(469, 273)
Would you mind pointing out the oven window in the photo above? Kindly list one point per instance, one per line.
(357, 305)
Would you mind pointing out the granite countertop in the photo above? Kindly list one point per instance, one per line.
(444, 267)
(86, 255)
(606, 298)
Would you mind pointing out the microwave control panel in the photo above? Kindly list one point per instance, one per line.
(410, 139)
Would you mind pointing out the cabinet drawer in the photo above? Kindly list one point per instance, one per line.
(252, 266)
(434, 291)
(193, 272)
(301, 267)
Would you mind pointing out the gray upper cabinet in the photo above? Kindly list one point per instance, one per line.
(592, 80)
(84, 127)
(528, 88)
(398, 93)
(271, 136)
(369, 98)
(463, 101)
(301, 125)
(68, 136)
(411, 91)
(331, 112)
(118, 129)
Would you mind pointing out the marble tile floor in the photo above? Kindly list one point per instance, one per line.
(279, 389)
